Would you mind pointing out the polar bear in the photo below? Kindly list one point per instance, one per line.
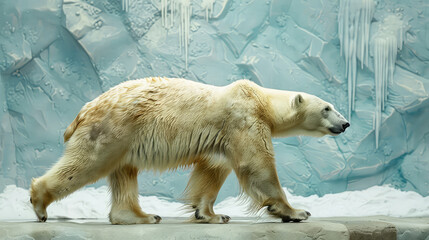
(161, 123)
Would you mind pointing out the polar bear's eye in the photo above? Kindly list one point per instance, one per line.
(327, 109)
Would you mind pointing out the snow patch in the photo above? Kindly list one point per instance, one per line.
(94, 203)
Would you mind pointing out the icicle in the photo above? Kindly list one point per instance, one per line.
(354, 19)
(168, 22)
(163, 12)
(184, 9)
(384, 47)
(208, 6)
(125, 4)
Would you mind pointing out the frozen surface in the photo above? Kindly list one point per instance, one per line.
(94, 203)
(56, 55)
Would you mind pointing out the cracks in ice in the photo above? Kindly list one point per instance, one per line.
(14, 134)
(88, 55)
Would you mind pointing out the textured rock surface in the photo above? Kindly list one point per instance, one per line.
(377, 227)
(56, 55)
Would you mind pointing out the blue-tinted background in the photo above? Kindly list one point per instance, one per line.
(57, 55)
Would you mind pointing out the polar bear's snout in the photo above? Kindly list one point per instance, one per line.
(338, 123)
(339, 128)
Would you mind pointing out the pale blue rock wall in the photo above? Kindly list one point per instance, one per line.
(57, 55)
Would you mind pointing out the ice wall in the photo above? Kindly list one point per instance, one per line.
(56, 55)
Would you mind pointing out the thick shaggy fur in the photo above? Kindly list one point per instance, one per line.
(161, 123)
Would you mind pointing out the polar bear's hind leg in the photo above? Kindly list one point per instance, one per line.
(202, 190)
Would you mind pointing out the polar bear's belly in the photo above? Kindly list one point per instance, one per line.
(156, 151)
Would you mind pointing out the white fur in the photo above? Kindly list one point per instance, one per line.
(160, 124)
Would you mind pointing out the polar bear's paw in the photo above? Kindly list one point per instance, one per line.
(125, 217)
(288, 215)
(157, 218)
(199, 217)
(297, 216)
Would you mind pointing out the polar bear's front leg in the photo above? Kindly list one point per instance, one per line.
(125, 205)
(201, 192)
(257, 175)
(262, 185)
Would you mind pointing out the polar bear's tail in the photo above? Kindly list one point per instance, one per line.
(71, 128)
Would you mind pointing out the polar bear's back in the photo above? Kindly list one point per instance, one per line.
(140, 98)
(163, 123)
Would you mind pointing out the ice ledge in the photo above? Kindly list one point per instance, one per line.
(378, 227)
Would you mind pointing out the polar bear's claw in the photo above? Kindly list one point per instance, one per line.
(157, 218)
(225, 218)
(197, 215)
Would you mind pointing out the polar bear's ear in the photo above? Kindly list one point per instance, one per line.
(297, 101)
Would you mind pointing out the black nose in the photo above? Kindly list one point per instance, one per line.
(346, 125)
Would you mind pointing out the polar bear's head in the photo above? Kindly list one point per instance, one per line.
(317, 117)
